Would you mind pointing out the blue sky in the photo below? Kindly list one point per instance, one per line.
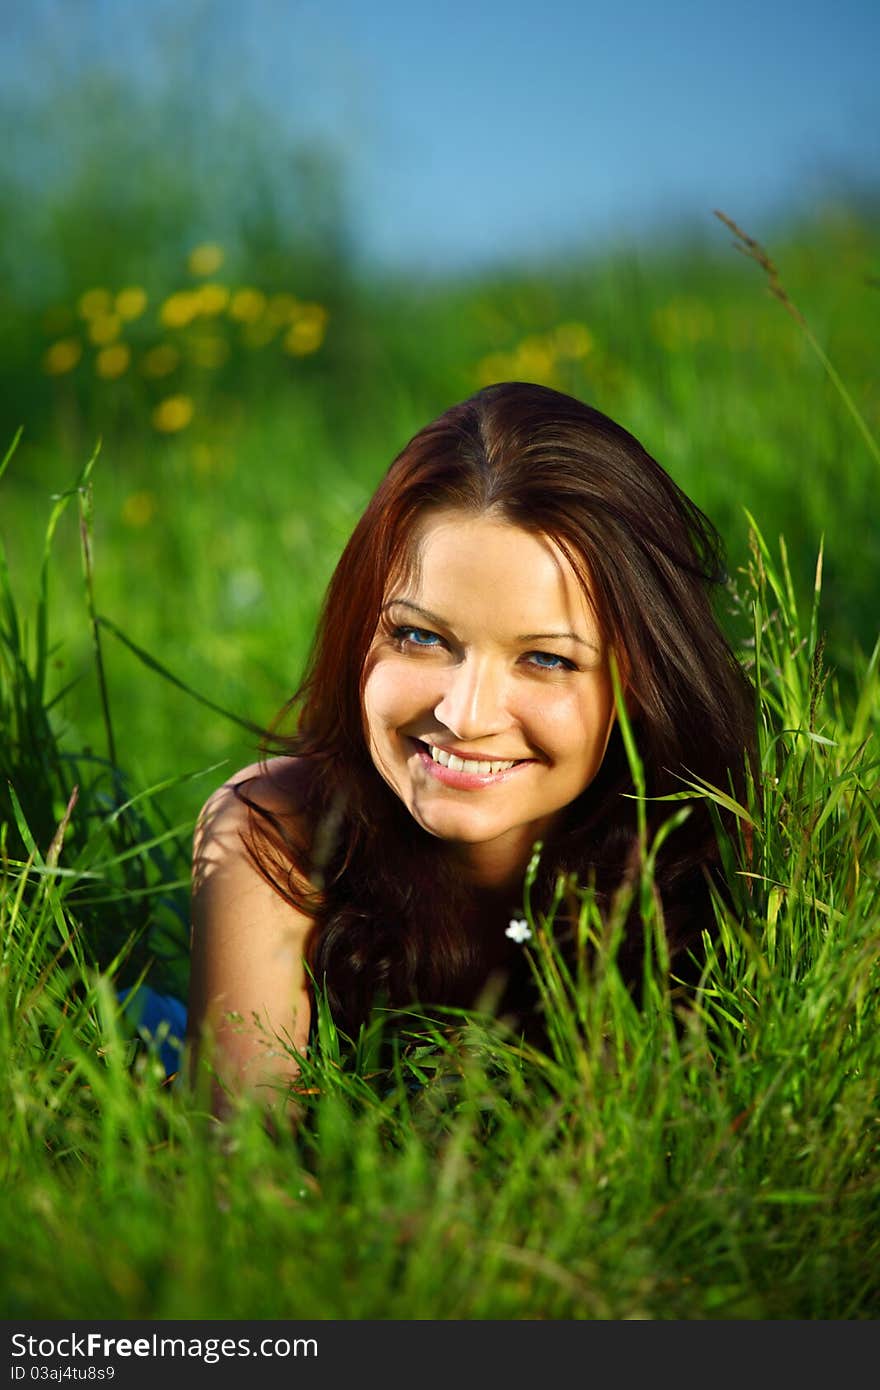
(472, 131)
(530, 125)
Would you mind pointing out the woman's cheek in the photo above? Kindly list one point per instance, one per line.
(571, 720)
(551, 713)
(396, 690)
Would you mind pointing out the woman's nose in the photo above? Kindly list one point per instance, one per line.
(473, 701)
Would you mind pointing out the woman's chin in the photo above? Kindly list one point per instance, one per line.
(458, 828)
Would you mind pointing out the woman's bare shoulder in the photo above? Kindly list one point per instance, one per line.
(269, 797)
(247, 979)
(277, 785)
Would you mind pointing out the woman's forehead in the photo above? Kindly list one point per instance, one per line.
(462, 560)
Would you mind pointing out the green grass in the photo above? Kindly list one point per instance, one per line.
(715, 1160)
(718, 1160)
(213, 545)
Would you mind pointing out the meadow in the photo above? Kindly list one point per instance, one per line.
(195, 449)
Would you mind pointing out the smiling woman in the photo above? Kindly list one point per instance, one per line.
(473, 707)
(458, 707)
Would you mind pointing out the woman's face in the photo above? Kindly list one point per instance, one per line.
(488, 701)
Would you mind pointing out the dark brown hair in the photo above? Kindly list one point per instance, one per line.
(389, 908)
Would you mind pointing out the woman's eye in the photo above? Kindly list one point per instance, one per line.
(416, 637)
(549, 661)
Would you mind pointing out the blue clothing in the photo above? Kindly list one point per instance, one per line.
(160, 1020)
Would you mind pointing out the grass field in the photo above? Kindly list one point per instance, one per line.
(720, 1161)
(213, 541)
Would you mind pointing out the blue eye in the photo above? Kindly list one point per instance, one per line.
(548, 661)
(416, 637)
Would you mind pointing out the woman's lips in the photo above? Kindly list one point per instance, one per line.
(466, 780)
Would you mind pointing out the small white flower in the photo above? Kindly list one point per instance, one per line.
(519, 930)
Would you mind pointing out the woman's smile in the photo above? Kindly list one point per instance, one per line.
(488, 702)
(468, 771)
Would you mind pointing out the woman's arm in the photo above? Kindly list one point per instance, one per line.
(248, 994)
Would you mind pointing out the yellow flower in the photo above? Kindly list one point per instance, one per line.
(302, 338)
(534, 359)
(160, 360)
(139, 508)
(113, 361)
(209, 351)
(173, 414)
(205, 259)
(306, 333)
(247, 305)
(310, 313)
(94, 302)
(573, 340)
(179, 309)
(495, 367)
(131, 302)
(62, 356)
(104, 329)
(212, 299)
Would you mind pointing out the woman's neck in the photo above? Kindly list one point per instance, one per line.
(497, 868)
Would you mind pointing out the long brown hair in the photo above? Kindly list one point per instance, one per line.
(389, 908)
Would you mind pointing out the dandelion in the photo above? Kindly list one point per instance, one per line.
(179, 309)
(311, 313)
(131, 302)
(205, 259)
(62, 356)
(93, 303)
(306, 333)
(573, 340)
(535, 359)
(173, 414)
(247, 304)
(519, 931)
(138, 509)
(212, 299)
(113, 361)
(104, 329)
(495, 367)
(160, 360)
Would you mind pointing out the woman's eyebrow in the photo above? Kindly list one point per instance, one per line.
(522, 637)
(558, 637)
(416, 608)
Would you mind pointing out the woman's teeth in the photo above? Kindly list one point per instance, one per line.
(457, 764)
